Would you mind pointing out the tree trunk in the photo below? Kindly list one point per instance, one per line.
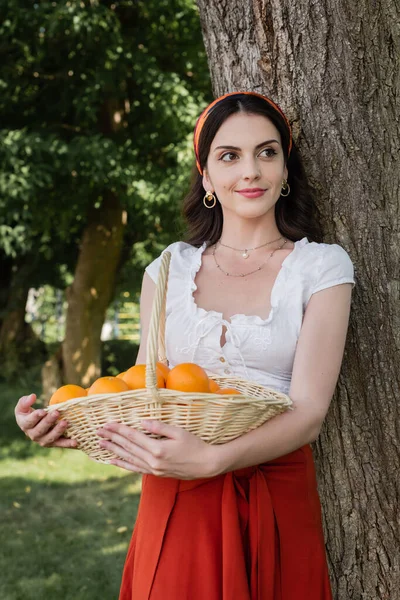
(334, 70)
(94, 280)
(13, 326)
(6, 272)
(91, 292)
(18, 342)
(51, 374)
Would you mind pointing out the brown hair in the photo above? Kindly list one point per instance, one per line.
(296, 215)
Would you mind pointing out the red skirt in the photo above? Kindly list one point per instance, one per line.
(250, 534)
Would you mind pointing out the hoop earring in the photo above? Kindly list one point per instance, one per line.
(285, 188)
(208, 198)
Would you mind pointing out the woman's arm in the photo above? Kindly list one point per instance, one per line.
(316, 370)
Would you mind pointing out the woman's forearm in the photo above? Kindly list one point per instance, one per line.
(279, 436)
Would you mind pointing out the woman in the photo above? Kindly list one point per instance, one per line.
(253, 292)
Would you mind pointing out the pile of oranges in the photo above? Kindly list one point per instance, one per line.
(185, 377)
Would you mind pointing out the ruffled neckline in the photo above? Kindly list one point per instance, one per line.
(239, 317)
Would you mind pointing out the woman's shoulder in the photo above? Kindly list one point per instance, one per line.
(324, 250)
(330, 264)
(180, 247)
(182, 254)
(181, 250)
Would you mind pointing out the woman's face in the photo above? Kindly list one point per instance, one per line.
(246, 154)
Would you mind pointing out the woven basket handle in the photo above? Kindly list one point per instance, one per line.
(157, 326)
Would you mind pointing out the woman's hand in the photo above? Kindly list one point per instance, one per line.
(40, 426)
(182, 456)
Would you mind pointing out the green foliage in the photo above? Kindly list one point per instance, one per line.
(46, 309)
(118, 356)
(95, 96)
(22, 360)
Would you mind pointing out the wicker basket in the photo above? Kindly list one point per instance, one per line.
(213, 417)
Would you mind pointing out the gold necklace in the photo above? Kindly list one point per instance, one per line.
(250, 272)
(246, 251)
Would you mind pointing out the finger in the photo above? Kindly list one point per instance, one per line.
(30, 421)
(43, 426)
(160, 428)
(127, 452)
(144, 454)
(64, 442)
(53, 435)
(23, 406)
(137, 437)
(128, 466)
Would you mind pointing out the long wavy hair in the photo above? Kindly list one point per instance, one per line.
(296, 215)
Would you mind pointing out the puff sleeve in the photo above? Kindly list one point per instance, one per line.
(334, 267)
(179, 251)
(153, 268)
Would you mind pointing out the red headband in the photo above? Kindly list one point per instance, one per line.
(202, 118)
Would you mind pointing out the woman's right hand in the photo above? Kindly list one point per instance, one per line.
(40, 426)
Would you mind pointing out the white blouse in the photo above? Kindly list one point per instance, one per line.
(260, 350)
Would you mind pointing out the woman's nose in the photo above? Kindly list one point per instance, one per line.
(251, 169)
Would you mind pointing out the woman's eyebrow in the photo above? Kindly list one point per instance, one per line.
(237, 148)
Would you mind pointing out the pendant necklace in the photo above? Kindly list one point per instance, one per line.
(245, 251)
(250, 272)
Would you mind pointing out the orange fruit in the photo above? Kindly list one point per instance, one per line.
(164, 369)
(120, 375)
(214, 387)
(135, 378)
(108, 385)
(228, 391)
(67, 392)
(188, 377)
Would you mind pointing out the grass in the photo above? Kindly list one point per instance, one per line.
(65, 521)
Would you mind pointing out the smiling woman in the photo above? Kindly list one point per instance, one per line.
(252, 171)
(253, 292)
(216, 146)
(248, 296)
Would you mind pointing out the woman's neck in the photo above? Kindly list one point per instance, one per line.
(250, 239)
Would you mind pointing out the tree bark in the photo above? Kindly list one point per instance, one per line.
(13, 326)
(94, 279)
(17, 338)
(334, 70)
(51, 374)
(91, 292)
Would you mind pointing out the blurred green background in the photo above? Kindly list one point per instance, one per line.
(98, 103)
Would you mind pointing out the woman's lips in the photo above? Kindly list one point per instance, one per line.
(249, 194)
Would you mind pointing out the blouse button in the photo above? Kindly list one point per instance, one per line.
(222, 359)
(227, 371)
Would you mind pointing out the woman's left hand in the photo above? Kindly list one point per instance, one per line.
(182, 455)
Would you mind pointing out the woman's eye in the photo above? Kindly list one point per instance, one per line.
(270, 152)
(230, 154)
